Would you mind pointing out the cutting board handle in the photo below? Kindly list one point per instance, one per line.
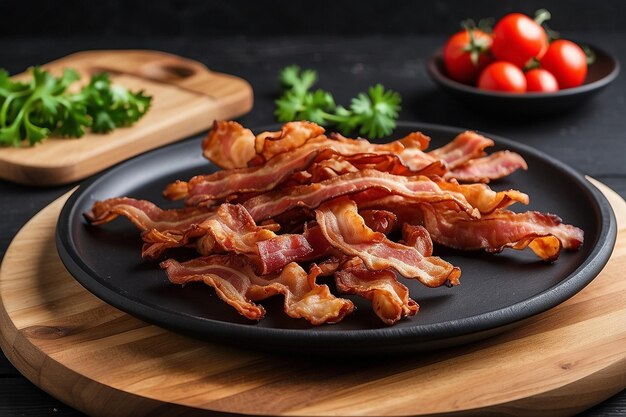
(228, 91)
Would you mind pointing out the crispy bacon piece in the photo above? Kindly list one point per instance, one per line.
(414, 140)
(145, 215)
(479, 196)
(229, 145)
(390, 299)
(467, 145)
(416, 159)
(311, 245)
(302, 146)
(416, 189)
(236, 282)
(492, 167)
(315, 150)
(203, 188)
(324, 170)
(291, 136)
(381, 221)
(418, 237)
(276, 253)
(346, 231)
(229, 228)
(545, 234)
(484, 198)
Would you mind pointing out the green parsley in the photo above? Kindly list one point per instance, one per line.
(372, 114)
(42, 107)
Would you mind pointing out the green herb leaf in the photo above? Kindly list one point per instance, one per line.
(297, 80)
(112, 106)
(41, 107)
(373, 114)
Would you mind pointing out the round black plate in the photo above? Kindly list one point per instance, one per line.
(600, 74)
(496, 291)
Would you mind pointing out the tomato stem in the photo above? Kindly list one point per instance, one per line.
(589, 54)
(542, 15)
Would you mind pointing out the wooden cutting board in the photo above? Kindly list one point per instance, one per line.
(187, 98)
(107, 363)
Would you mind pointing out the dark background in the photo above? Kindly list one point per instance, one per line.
(297, 17)
(352, 44)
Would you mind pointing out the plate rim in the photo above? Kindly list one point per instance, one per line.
(412, 338)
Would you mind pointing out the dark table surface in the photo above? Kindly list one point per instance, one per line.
(590, 138)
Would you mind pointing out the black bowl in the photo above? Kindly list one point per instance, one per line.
(600, 74)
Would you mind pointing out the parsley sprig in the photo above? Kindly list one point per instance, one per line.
(372, 114)
(43, 106)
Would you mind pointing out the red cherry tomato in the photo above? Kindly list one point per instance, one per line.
(464, 55)
(502, 76)
(540, 80)
(567, 62)
(517, 39)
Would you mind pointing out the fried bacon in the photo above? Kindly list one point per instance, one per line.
(466, 146)
(295, 148)
(296, 198)
(220, 184)
(545, 234)
(291, 136)
(236, 282)
(418, 237)
(229, 145)
(390, 298)
(145, 214)
(491, 167)
(484, 198)
(300, 147)
(279, 251)
(415, 189)
(311, 245)
(346, 231)
(229, 228)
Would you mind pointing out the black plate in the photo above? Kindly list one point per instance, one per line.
(599, 75)
(496, 291)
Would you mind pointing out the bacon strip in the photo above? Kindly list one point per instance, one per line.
(545, 234)
(265, 176)
(390, 299)
(311, 245)
(467, 145)
(291, 136)
(382, 221)
(228, 228)
(203, 188)
(276, 253)
(346, 231)
(299, 146)
(237, 284)
(417, 237)
(416, 189)
(229, 145)
(145, 214)
(484, 198)
(492, 167)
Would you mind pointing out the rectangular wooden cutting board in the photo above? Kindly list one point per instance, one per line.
(187, 98)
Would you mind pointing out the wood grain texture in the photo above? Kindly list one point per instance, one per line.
(187, 98)
(107, 363)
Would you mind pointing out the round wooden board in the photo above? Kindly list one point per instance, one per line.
(107, 363)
